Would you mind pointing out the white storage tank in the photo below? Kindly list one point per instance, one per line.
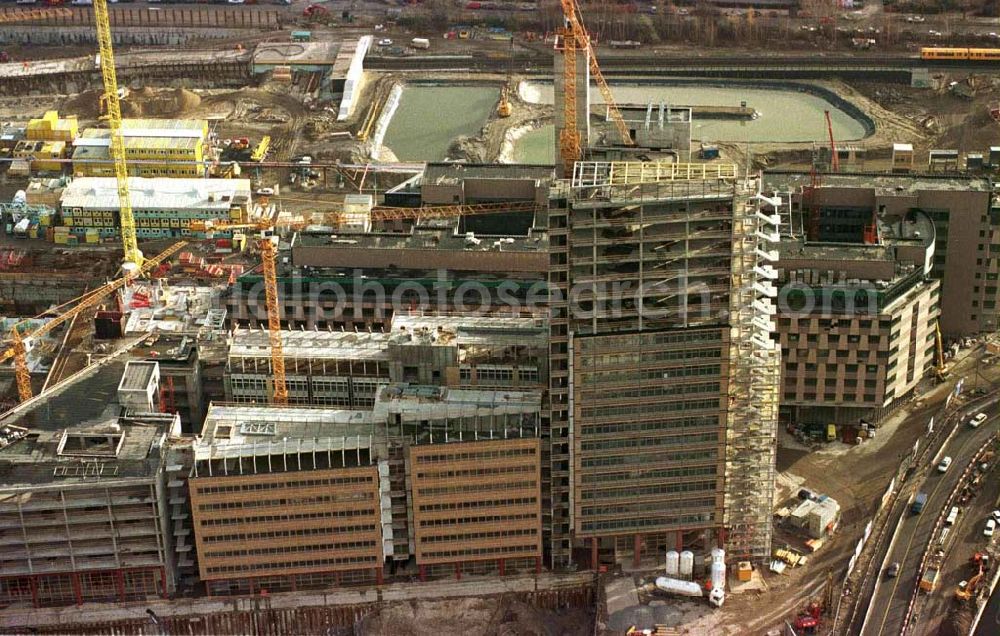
(673, 563)
(718, 575)
(687, 564)
(718, 555)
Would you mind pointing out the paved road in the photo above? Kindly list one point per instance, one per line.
(892, 598)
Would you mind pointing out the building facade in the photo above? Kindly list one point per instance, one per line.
(967, 231)
(153, 148)
(163, 208)
(662, 378)
(857, 322)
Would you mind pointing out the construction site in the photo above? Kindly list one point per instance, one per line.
(316, 321)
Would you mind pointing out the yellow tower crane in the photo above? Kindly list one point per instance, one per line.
(573, 39)
(133, 257)
(19, 341)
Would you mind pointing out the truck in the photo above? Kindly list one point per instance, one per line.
(918, 503)
(929, 580)
(420, 43)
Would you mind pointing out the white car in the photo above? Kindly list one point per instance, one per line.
(236, 1)
(977, 420)
(991, 525)
(82, 3)
(385, 42)
(265, 192)
(996, 515)
(944, 465)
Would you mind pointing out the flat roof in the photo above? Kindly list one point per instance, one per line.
(312, 344)
(443, 173)
(430, 238)
(35, 460)
(440, 402)
(231, 424)
(137, 375)
(160, 193)
(83, 399)
(883, 184)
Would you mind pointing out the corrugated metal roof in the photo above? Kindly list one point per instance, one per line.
(157, 193)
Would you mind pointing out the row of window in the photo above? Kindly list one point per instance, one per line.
(462, 521)
(488, 503)
(477, 472)
(297, 501)
(468, 488)
(475, 455)
(530, 548)
(642, 508)
(619, 460)
(638, 358)
(646, 339)
(654, 489)
(302, 516)
(634, 410)
(649, 442)
(640, 523)
(304, 563)
(289, 549)
(619, 428)
(636, 375)
(277, 534)
(472, 536)
(658, 473)
(668, 390)
(274, 485)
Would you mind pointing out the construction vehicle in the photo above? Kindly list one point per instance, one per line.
(968, 589)
(111, 99)
(504, 107)
(313, 12)
(572, 39)
(810, 622)
(267, 243)
(260, 150)
(928, 580)
(20, 341)
(941, 369)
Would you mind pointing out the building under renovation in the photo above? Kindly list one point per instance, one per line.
(431, 482)
(346, 369)
(663, 374)
(83, 513)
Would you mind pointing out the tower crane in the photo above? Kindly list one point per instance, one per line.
(834, 158)
(133, 257)
(573, 39)
(19, 341)
(267, 243)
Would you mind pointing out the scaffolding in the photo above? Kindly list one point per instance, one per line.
(755, 377)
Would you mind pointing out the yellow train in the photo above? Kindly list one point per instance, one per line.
(942, 53)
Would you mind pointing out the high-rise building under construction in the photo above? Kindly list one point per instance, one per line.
(664, 376)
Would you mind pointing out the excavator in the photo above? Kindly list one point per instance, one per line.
(967, 589)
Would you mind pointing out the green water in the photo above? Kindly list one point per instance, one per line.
(785, 115)
(536, 146)
(429, 118)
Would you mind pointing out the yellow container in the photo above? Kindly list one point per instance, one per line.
(68, 221)
(61, 239)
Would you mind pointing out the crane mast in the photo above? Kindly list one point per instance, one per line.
(133, 257)
(571, 39)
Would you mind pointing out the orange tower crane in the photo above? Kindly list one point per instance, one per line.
(267, 243)
(834, 158)
(571, 40)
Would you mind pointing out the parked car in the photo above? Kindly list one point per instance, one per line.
(944, 465)
(892, 571)
(952, 516)
(977, 420)
(996, 515)
(991, 526)
(265, 192)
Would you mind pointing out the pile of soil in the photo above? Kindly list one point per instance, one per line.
(147, 102)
